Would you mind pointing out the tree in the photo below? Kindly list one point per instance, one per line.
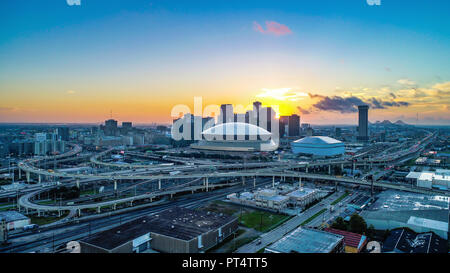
(357, 224)
(339, 224)
(370, 231)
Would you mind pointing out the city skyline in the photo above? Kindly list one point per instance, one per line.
(318, 60)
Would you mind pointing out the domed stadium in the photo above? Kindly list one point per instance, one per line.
(318, 146)
(236, 136)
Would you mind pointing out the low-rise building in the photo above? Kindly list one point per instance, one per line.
(407, 241)
(175, 230)
(307, 240)
(14, 220)
(354, 242)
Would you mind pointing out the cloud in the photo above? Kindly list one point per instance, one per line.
(303, 111)
(272, 28)
(406, 82)
(350, 104)
(282, 94)
(336, 103)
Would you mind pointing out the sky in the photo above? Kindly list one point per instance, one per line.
(138, 59)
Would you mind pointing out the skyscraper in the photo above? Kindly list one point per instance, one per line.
(226, 113)
(63, 133)
(294, 125)
(363, 123)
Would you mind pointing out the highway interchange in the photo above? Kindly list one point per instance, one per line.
(206, 179)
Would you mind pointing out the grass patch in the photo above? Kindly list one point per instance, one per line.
(239, 232)
(87, 192)
(313, 217)
(243, 241)
(262, 221)
(340, 198)
(46, 202)
(46, 220)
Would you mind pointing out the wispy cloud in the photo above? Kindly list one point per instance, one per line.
(406, 82)
(272, 28)
(282, 94)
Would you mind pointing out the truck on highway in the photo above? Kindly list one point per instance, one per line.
(174, 172)
(31, 227)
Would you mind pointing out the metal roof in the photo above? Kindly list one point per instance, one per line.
(317, 140)
(306, 240)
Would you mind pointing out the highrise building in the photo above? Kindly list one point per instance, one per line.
(226, 113)
(294, 125)
(110, 128)
(363, 123)
(63, 133)
(127, 125)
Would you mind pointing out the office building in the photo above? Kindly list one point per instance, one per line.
(63, 133)
(363, 123)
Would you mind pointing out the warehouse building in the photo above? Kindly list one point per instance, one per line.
(406, 241)
(438, 179)
(419, 212)
(307, 240)
(320, 146)
(14, 220)
(176, 230)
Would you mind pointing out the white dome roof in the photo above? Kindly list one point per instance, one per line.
(317, 140)
(237, 129)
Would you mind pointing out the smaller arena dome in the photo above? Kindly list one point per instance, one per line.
(318, 146)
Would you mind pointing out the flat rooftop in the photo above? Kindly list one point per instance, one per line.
(407, 241)
(392, 200)
(12, 215)
(306, 240)
(180, 223)
(301, 193)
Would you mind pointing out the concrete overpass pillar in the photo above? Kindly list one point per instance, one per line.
(335, 185)
(114, 206)
(115, 185)
(79, 212)
(306, 169)
(254, 182)
(243, 181)
(371, 187)
(39, 213)
(273, 181)
(39, 179)
(329, 169)
(207, 183)
(299, 182)
(20, 173)
(59, 213)
(78, 184)
(28, 176)
(354, 168)
(159, 184)
(99, 210)
(342, 167)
